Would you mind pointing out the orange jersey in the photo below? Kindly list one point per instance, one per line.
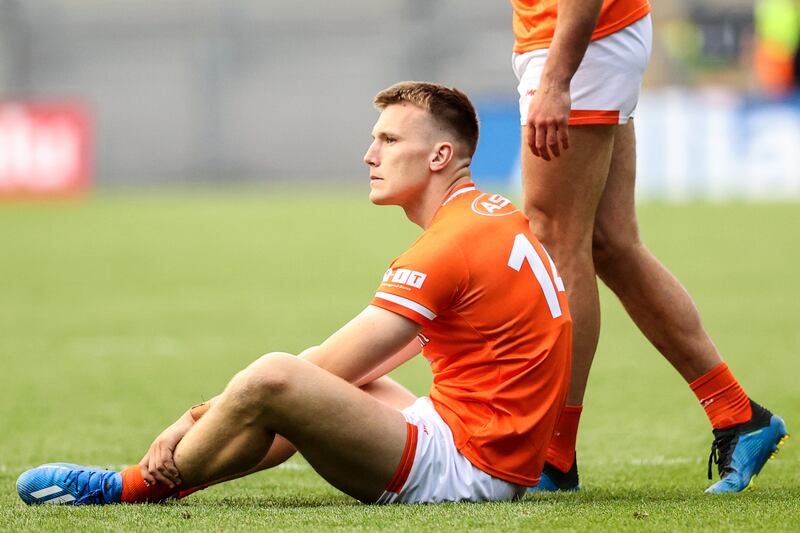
(496, 330)
(534, 21)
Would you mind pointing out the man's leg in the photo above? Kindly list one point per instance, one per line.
(75, 484)
(384, 389)
(665, 313)
(353, 440)
(652, 296)
(561, 198)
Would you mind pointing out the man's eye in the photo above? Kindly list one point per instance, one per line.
(391, 140)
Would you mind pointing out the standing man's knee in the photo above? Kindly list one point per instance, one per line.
(613, 250)
(543, 224)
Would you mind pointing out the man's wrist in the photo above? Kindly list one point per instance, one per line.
(555, 81)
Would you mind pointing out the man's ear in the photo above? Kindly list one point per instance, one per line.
(442, 156)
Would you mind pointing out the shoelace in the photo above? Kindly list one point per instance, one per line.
(95, 496)
(721, 452)
(73, 480)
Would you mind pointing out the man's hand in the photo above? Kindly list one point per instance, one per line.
(548, 121)
(548, 113)
(158, 464)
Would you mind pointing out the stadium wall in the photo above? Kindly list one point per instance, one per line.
(216, 92)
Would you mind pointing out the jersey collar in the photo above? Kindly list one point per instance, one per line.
(458, 191)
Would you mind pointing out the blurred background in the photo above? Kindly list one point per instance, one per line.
(214, 149)
(98, 94)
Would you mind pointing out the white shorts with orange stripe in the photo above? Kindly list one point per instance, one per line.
(433, 470)
(605, 88)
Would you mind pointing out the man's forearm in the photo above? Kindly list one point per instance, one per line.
(574, 27)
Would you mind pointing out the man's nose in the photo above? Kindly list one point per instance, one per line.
(370, 157)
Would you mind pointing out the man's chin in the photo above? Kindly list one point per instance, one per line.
(378, 199)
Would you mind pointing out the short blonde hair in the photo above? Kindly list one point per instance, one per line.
(449, 107)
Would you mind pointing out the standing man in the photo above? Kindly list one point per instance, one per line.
(476, 291)
(580, 66)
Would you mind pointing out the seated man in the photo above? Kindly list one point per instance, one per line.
(476, 291)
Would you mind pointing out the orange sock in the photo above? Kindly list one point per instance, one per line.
(135, 490)
(189, 492)
(722, 397)
(561, 452)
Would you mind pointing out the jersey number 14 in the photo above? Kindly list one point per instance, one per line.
(522, 250)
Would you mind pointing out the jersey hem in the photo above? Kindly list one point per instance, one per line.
(505, 476)
(473, 457)
(599, 33)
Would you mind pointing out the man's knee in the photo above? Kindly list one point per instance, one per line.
(560, 237)
(613, 250)
(544, 227)
(268, 378)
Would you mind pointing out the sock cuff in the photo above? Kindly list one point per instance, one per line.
(708, 376)
(135, 490)
(722, 397)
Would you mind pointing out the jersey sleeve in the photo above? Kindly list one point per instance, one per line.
(423, 282)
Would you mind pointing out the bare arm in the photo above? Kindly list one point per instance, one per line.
(548, 114)
(372, 344)
(410, 350)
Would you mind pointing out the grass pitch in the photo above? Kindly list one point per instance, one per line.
(118, 312)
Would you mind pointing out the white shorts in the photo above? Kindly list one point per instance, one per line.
(605, 88)
(439, 473)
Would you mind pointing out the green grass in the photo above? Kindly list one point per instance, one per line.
(118, 312)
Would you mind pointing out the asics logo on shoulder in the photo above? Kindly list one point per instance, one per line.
(404, 276)
(494, 205)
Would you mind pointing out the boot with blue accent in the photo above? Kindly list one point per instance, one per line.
(554, 480)
(69, 484)
(741, 451)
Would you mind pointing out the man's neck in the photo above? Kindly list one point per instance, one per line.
(424, 209)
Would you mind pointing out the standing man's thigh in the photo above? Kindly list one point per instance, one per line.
(561, 195)
(604, 92)
(561, 198)
(615, 225)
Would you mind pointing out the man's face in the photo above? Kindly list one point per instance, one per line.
(400, 154)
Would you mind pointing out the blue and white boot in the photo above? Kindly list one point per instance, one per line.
(69, 484)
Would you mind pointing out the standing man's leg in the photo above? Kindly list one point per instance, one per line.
(652, 296)
(655, 300)
(581, 206)
(665, 313)
(561, 199)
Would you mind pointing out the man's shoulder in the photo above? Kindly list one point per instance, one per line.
(468, 226)
(491, 205)
(477, 216)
